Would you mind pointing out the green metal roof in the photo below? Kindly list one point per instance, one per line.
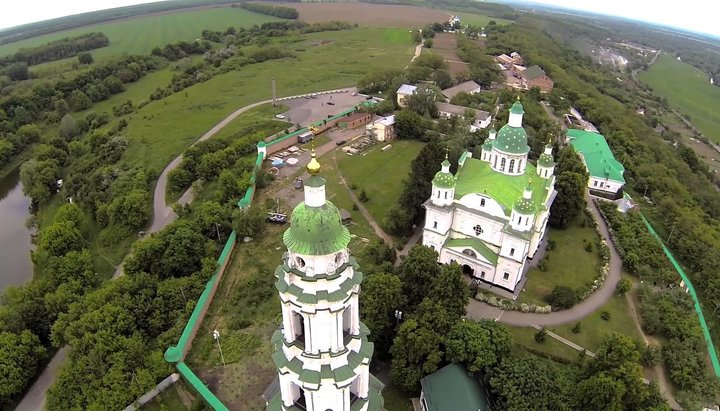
(546, 160)
(517, 108)
(524, 206)
(443, 180)
(451, 388)
(476, 176)
(596, 154)
(487, 145)
(512, 140)
(316, 230)
(475, 244)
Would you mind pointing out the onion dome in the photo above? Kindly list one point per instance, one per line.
(524, 205)
(444, 178)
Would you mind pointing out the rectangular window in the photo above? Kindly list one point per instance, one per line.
(595, 183)
(434, 224)
(512, 252)
(482, 202)
(506, 276)
(482, 274)
(601, 184)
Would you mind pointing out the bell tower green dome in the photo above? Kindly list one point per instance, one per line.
(316, 230)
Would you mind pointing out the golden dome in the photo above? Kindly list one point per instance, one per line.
(313, 166)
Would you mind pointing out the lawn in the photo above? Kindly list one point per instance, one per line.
(396, 399)
(569, 264)
(688, 90)
(594, 329)
(163, 129)
(525, 337)
(141, 34)
(380, 173)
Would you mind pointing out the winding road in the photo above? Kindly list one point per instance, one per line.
(478, 310)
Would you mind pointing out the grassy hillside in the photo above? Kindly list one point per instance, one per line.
(163, 129)
(688, 90)
(139, 35)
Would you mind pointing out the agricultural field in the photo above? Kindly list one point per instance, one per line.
(445, 44)
(709, 155)
(480, 20)
(689, 92)
(380, 173)
(138, 35)
(163, 129)
(367, 14)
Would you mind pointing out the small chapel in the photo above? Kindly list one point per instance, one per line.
(491, 215)
(322, 352)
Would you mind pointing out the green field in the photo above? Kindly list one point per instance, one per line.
(478, 19)
(380, 173)
(139, 35)
(688, 90)
(163, 129)
(568, 264)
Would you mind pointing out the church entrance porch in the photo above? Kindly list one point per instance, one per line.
(467, 270)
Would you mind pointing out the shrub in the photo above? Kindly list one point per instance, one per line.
(363, 197)
(577, 328)
(588, 247)
(540, 336)
(623, 286)
(605, 316)
(650, 356)
(562, 297)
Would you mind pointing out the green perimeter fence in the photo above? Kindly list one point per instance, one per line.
(176, 354)
(693, 294)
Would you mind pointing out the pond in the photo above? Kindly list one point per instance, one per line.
(15, 238)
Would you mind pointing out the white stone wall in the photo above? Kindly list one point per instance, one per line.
(604, 184)
(518, 163)
(483, 203)
(513, 248)
(479, 265)
(521, 222)
(442, 196)
(513, 270)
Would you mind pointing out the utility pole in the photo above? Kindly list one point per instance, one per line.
(216, 336)
(274, 95)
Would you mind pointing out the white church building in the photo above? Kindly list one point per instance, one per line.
(490, 217)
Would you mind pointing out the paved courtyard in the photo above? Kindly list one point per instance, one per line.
(303, 110)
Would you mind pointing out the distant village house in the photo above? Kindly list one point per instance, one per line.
(469, 87)
(403, 92)
(383, 128)
(480, 120)
(534, 76)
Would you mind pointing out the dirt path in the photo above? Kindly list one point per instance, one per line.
(375, 226)
(662, 378)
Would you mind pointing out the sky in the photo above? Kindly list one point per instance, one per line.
(694, 15)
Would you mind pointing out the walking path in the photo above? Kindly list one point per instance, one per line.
(566, 342)
(478, 310)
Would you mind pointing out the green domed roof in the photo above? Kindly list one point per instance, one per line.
(316, 230)
(487, 145)
(546, 160)
(512, 140)
(443, 180)
(524, 206)
(517, 108)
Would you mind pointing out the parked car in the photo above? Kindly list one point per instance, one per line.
(340, 142)
(369, 98)
(280, 116)
(330, 103)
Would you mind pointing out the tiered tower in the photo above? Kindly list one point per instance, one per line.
(321, 350)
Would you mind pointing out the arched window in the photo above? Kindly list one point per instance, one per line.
(434, 224)
(299, 262)
(502, 164)
(469, 252)
(338, 259)
(495, 161)
(519, 220)
(438, 193)
(520, 169)
(478, 230)
(512, 166)
(446, 195)
(546, 172)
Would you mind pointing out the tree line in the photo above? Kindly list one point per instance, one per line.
(277, 11)
(57, 50)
